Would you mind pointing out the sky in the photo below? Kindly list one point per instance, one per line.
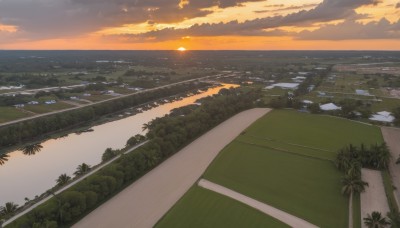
(200, 24)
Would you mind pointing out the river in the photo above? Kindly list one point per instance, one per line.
(28, 176)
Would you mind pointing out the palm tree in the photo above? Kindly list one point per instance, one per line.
(9, 208)
(354, 169)
(352, 184)
(375, 220)
(3, 158)
(63, 179)
(32, 149)
(82, 169)
(145, 126)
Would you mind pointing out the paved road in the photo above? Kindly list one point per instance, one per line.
(374, 197)
(98, 102)
(144, 202)
(70, 185)
(282, 216)
(392, 139)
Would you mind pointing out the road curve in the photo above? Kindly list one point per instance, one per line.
(282, 216)
(144, 202)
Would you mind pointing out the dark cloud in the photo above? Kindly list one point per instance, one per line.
(326, 11)
(349, 29)
(292, 7)
(60, 18)
(398, 5)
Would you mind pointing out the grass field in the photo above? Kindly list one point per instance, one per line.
(324, 132)
(43, 108)
(305, 187)
(285, 160)
(11, 113)
(203, 208)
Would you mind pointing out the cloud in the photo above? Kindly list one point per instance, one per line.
(349, 29)
(292, 7)
(61, 18)
(398, 5)
(328, 10)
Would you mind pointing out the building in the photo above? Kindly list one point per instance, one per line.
(383, 116)
(284, 85)
(329, 107)
(362, 92)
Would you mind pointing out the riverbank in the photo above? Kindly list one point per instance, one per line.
(63, 155)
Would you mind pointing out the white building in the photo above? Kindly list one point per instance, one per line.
(383, 116)
(329, 107)
(284, 85)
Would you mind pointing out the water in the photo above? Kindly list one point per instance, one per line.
(27, 176)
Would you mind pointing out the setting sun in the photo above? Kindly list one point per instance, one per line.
(181, 49)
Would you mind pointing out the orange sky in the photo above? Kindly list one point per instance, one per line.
(135, 36)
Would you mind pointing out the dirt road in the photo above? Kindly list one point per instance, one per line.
(144, 202)
(374, 197)
(392, 139)
(284, 217)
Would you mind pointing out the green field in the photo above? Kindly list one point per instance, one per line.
(203, 208)
(306, 187)
(318, 131)
(11, 113)
(285, 160)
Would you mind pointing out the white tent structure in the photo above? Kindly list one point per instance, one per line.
(329, 107)
(284, 85)
(383, 116)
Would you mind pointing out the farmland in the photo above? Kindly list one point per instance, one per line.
(285, 160)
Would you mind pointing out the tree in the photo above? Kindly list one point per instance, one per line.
(352, 184)
(375, 220)
(82, 169)
(382, 157)
(108, 154)
(3, 158)
(63, 179)
(9, 208)
(32, 149)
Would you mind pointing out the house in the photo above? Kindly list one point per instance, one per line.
(19, 105)
(86, 94)
(33, 102)
(307, 102)
(362, 92)
(329, 107)
(383, 116)
(74, 98)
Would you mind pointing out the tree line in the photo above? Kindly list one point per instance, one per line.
(31, 129)
(167, 135)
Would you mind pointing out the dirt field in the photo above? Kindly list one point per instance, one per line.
(392, 139)
(374, 197)
(144, 202)
(289, 219)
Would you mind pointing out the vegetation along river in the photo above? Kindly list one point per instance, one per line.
(31, 175)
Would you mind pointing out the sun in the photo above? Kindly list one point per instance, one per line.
(181, 49)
